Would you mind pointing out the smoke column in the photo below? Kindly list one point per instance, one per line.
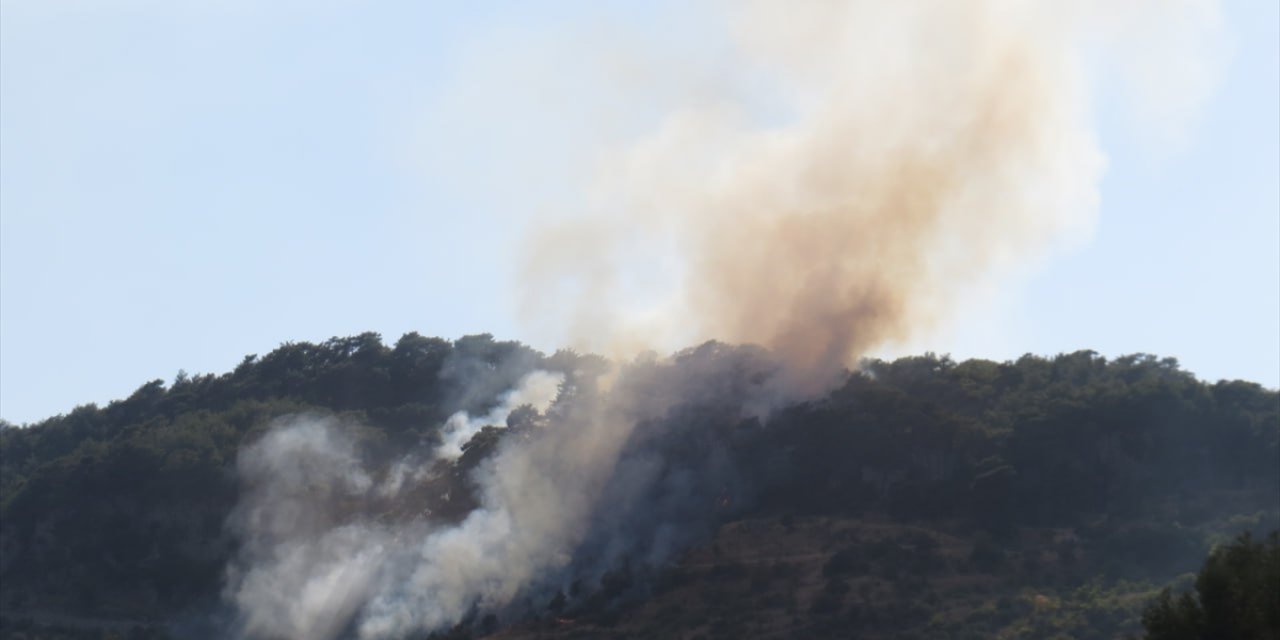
(885, 159)
(586, 487)
(899, 156)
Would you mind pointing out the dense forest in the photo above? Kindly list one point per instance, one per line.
(1071, 496)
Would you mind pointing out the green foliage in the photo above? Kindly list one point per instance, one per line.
(1237, 595)
(113, 507)
(121, 508)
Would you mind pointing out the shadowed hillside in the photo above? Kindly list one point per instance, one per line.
(918, 498)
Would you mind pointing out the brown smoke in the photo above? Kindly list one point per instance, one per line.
(864, 167)
(904, 154)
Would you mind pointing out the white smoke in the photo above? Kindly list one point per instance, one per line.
(537, 389)
(313, 557)
(302, 573)
(922, 147)
(330, 551)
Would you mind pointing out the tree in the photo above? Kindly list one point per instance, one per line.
(1237, 597)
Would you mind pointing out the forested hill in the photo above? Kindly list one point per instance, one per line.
(1038, 476)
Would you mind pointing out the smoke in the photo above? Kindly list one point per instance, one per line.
(536, 389)
(884, 162)
(302, 571)
(334, 548)
(866, 167)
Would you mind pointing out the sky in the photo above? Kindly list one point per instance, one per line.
(186, 183)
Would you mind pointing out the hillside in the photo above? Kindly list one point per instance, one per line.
(920, 498)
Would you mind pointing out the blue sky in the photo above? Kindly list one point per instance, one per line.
(182, 184)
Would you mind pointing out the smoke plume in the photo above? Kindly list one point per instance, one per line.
(887, 160)
(536, 389)
(335, 548)
(866, 166)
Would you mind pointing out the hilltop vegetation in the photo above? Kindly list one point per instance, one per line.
(920, 498)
